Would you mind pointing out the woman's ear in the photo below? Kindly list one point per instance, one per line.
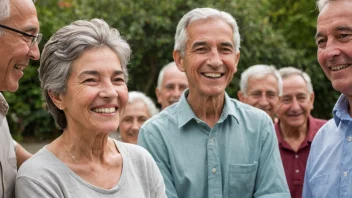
(57, 100)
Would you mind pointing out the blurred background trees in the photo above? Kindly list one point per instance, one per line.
(273, 32)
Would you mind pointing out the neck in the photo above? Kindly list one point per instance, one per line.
(207, 108)
(289, 132)
(83, 149)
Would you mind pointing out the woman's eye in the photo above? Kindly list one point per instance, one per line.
(89, 80)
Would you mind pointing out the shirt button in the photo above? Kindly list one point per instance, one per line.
(349, 138)
(345, 174)
(296, 156)
(297, 171)
(213, 170)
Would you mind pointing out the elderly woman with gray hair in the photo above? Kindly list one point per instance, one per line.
(83, 77)
(138, 110)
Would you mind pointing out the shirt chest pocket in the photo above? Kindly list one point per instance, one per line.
(242, 179)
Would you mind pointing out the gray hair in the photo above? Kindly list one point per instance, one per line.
(65, 46)
(162, 73)
(286, 72)
(322, 3)
(4, 11)
(259, 72)
(136, 95)
(181, 36)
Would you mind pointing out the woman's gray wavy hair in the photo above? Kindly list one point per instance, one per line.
(181, 36)
(67, 45)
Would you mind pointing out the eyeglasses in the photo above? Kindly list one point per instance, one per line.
(35, 38)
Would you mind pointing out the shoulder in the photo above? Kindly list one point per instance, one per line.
(324, 133)
(249, 116)
(41, 163)
(164, 122)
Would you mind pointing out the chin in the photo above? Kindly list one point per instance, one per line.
(11, 88)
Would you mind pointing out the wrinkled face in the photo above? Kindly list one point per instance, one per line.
(296, 103)
(96, 93)
(135, 115)
(14, 47)
(172, 87)
(262, 93)
(334, 40)
(210, 60)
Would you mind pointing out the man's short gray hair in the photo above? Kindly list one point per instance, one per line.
(322, 3)
(162, 74)
(67, 45)
(202, 14)
(286, 72)
(259, 72)
(136, 95)
(4, 11)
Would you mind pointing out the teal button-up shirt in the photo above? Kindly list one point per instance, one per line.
(239, 157)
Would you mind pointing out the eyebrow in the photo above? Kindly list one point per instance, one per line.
(196, 44)
(31, 29)
(226, 44)
(96, 73)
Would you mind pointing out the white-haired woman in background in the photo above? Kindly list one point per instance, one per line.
(138, 110)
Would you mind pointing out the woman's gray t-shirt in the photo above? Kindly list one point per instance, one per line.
(44, 175)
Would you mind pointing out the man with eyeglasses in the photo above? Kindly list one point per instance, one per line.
(19, 40)
(261, 87)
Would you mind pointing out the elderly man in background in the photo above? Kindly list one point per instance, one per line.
(328, 172)
(209, 145)
(171, 84)
(19, 40)
(296, 128)
(139, 109)
(261, 87)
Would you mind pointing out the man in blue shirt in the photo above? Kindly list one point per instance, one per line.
(207, 144)
(328, 172)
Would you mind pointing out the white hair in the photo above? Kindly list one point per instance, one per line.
(202, 14)
(286, 72)
(322, 3)
(4, 11)
(136, 95)
(162, 74)
(259, 72)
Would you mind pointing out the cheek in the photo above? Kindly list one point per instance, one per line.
(320, 57)
(124, 127)
(123, 95)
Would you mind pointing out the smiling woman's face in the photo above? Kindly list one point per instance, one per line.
(96, 93)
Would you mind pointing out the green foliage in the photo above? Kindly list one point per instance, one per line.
(272, 32)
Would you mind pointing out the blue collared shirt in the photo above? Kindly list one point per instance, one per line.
(329, 167)
(238, 157)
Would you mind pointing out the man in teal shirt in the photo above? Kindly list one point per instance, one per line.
(207, 144)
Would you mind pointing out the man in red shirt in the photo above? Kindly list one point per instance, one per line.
(296, 128)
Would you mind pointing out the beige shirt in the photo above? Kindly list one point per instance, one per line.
(8, 167)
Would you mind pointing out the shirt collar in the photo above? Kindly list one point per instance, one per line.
(185, 112)
(4, 107)
(340, 110)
